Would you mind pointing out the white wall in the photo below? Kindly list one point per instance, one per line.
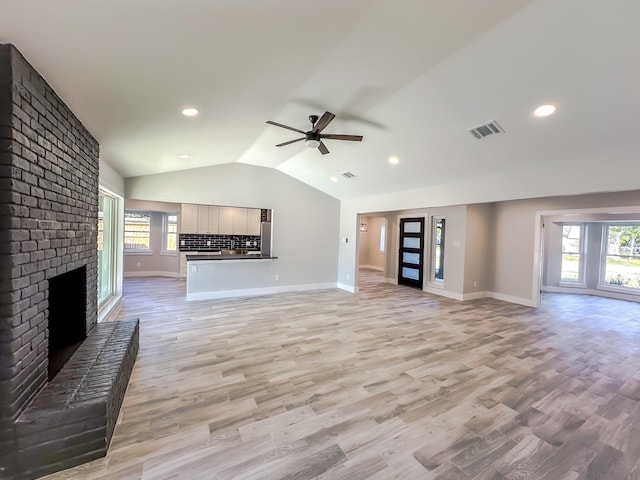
(515, 240)
(506, 231)
(305, 220)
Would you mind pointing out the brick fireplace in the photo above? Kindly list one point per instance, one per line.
(48, 276)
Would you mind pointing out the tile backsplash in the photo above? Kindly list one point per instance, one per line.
(192, 242)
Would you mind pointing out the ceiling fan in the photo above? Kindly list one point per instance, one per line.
(313, 138)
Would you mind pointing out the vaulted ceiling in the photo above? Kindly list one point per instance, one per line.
(411, 76)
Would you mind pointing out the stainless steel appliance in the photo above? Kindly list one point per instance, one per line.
(265, 238)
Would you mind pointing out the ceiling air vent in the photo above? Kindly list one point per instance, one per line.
(348, 175)
(485, 130)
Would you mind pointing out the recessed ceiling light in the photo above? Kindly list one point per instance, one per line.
(190, 112)
(334, 179)
(544, 110)
(184, 156)
(393, 160)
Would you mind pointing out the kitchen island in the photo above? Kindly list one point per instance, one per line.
(223, 275)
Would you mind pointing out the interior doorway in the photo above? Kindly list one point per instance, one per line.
(373, 239)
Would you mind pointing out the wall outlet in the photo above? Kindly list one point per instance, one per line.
(248, 243)
(475, 283)
(208, 243)
(138, 264)
(348, 276)
(194, 268)
(277, 277)
(182, 243)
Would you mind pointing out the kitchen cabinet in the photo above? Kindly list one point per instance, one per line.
(189, 218)
(212, 219)
(225, 220)
(253, 221)
(208, 219)
(239, 221)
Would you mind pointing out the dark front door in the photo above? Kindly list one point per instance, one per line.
(411, 252)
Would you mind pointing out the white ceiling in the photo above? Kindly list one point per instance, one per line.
(409, 75)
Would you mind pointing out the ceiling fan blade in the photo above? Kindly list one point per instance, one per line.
(323, 122)
(289, 142)
(323, 148)
(335, 136)
(285, 126)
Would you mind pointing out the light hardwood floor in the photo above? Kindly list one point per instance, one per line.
(388, 383)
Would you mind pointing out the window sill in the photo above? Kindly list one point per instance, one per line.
(572, 284)
(623, 290)
(138, 252)
(168, 253)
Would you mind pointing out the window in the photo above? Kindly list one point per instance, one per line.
(437, 247)
(572, 254)
(383, 235)
(107, 227)
(621, 256)
(170, 232)
(137, 231)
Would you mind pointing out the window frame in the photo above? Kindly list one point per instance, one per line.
(604, 254)
(582, 255)
(109, 238)
(165, 233)
(138, 251)
(435, 280)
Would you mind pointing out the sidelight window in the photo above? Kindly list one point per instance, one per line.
(437, 250)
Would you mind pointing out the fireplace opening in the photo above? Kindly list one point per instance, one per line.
(67, 317)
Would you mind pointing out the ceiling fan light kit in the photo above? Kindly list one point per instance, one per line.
(313, 138)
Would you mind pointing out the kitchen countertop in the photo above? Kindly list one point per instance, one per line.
(198, 258)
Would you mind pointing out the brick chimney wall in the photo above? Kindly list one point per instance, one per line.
(48, 224)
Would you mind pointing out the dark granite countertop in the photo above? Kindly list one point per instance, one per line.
(193, 258)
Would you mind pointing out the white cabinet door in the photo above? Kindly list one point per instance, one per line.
(225, 220)
(213, 219)
(189, 218)
(253, 221)
(203, 219)
(239, 221)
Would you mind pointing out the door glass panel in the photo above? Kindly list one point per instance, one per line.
(412, 227)
(413, 258)
(412, 273)
(411, 242)
(106, 246)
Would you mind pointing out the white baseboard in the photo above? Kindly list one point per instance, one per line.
(152, 274)
(511, 299)
(443, 293)
(474, 296)
(246, 292)
(348, 288)
(372, 267)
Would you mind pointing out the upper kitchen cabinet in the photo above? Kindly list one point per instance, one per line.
(212, 219)
(253, 221)
(189, 218)
(239, 221)
(225, 220)
(208, 219)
